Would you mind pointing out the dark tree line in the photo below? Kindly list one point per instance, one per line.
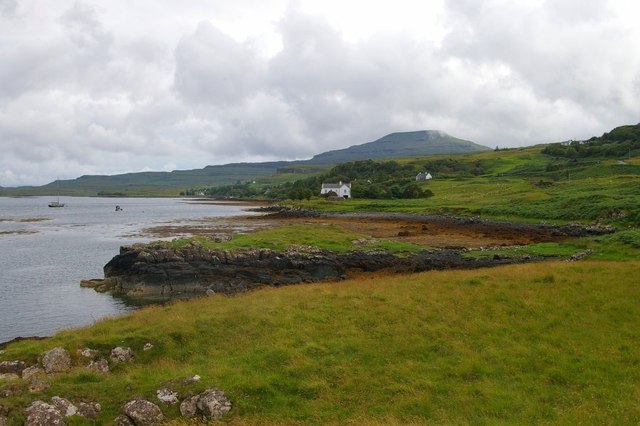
(451, 167)
(619, 142)
(368, 178)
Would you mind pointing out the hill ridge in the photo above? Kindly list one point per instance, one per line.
(417, 142)
(393, 145)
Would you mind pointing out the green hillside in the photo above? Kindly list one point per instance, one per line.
(621, 142)
(515, 184)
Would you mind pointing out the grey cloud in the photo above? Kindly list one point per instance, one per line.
(575, 62)
(85, 29)
(578, 11)
(8, 7)
(213, 68)
(266, 127)
(97, 99)
(22, 69)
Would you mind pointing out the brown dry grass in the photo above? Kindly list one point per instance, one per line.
(432, 234)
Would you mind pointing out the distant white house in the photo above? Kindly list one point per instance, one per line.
(423, 176)
(341, 189)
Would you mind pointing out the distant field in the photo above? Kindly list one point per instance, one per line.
(523, 185)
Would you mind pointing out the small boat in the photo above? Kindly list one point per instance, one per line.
(56, 203)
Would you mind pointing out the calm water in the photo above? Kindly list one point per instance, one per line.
(43, 261)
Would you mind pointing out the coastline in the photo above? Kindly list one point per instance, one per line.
(161, 269)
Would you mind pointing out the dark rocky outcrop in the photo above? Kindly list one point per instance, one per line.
(159, 269)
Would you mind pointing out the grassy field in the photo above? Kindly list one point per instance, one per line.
(523, 185)
(517, 344)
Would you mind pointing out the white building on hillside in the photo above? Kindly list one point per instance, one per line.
(423, 176)
(340, 189)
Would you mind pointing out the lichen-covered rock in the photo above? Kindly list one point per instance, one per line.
(122, 420)
(190, 380)
(3, 421)
(57, 360)
(189, 407)
(12, 367)
(213, 404)
(99, 366)
(120, 355)
(88, 353)
(147, 346)
(89, 410)
(32, 372)
(64, 406)
(167, 396)
(143, 412)
(40, 413)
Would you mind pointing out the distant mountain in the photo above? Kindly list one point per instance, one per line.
(404, 144)
(162, 183)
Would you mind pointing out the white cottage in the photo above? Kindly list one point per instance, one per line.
(423, 176)
(340, 188)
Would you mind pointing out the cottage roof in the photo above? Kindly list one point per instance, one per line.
(335, 185)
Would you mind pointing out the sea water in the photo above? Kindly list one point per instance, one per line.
(45, 252)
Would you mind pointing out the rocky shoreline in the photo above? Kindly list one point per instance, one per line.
(160, 269)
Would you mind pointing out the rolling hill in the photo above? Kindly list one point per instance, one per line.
(402, 144)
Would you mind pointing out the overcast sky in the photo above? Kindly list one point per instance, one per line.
(107, 87)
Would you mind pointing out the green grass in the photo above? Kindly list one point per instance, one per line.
(522, 344)
(328, 237)
(623, 245)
